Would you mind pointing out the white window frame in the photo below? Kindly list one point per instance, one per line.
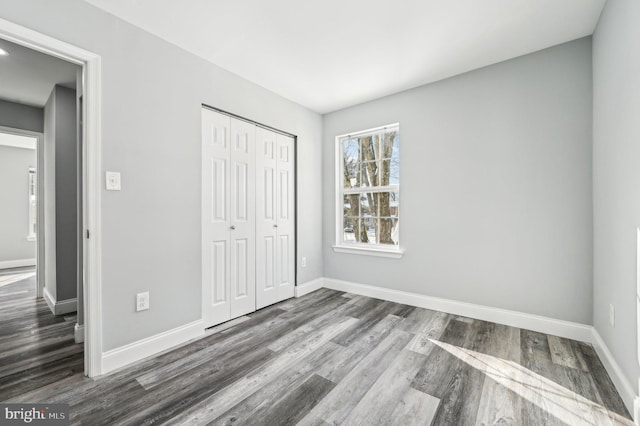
(381, 250)
(32, 199)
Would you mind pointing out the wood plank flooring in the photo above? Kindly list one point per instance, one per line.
(326, 358)
(36, 347)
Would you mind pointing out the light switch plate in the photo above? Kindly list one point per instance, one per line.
(612, 315)
(113, 181)
(142, 301)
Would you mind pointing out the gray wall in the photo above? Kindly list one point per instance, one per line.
(60, 156)
(616, 175)
(14, 193)
(495, 186)
(152, 92)
(66, 193)
(21, 116)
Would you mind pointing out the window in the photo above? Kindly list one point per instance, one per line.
(368, 192)
(32, 205)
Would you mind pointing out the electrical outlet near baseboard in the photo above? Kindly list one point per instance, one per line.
(303, 262)
(142, 301)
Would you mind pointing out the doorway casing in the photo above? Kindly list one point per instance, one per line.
(91, 174)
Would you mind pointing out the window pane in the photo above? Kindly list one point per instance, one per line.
(350, 224)
(394, 204)
(387, 143)
(375, 146)
(351, 175)
(369, 174)
(350, 205)
(384, 204)
(376, 199)
(394, 174)
(388, 231)
(359, 230)
(367, 205)
(395, 150)
(351, 150)
(32, 201)
(368, 148)
(370, 227)
(385, 172)
(33, 212)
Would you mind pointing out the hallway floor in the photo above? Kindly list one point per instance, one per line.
(36, 347)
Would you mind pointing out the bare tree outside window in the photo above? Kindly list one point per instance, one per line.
(370, 166)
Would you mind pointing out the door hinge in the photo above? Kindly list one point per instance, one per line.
(87, 234)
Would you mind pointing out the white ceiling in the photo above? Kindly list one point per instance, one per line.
(331, 54)
(28, 77)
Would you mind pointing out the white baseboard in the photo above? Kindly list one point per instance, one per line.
(20, 263)
(308, 287)
(127, 354)
(78, 333)
(624, 387)
(567, 329)
(60, 307)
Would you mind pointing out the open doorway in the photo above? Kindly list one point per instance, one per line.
(41, 219)
(18, 219)
(18, 182)
(78, 171)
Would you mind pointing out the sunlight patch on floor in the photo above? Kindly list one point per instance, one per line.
(13, 278)
(562, 403)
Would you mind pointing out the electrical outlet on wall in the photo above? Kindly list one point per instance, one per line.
(142, 301)
(303, 262)
(612, 315)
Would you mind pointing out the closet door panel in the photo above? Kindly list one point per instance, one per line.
(215, 217)
(242, 223)
(285, 217)
(266, 217)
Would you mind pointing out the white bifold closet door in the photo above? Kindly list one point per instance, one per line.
(228, 217)
(275, 217)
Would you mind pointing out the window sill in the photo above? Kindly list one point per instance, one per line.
(31, 237)
(394, 254)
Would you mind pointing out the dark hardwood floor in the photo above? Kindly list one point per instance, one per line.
(325, 358)
(36, 347)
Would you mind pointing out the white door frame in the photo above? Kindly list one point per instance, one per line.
(91, 145)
